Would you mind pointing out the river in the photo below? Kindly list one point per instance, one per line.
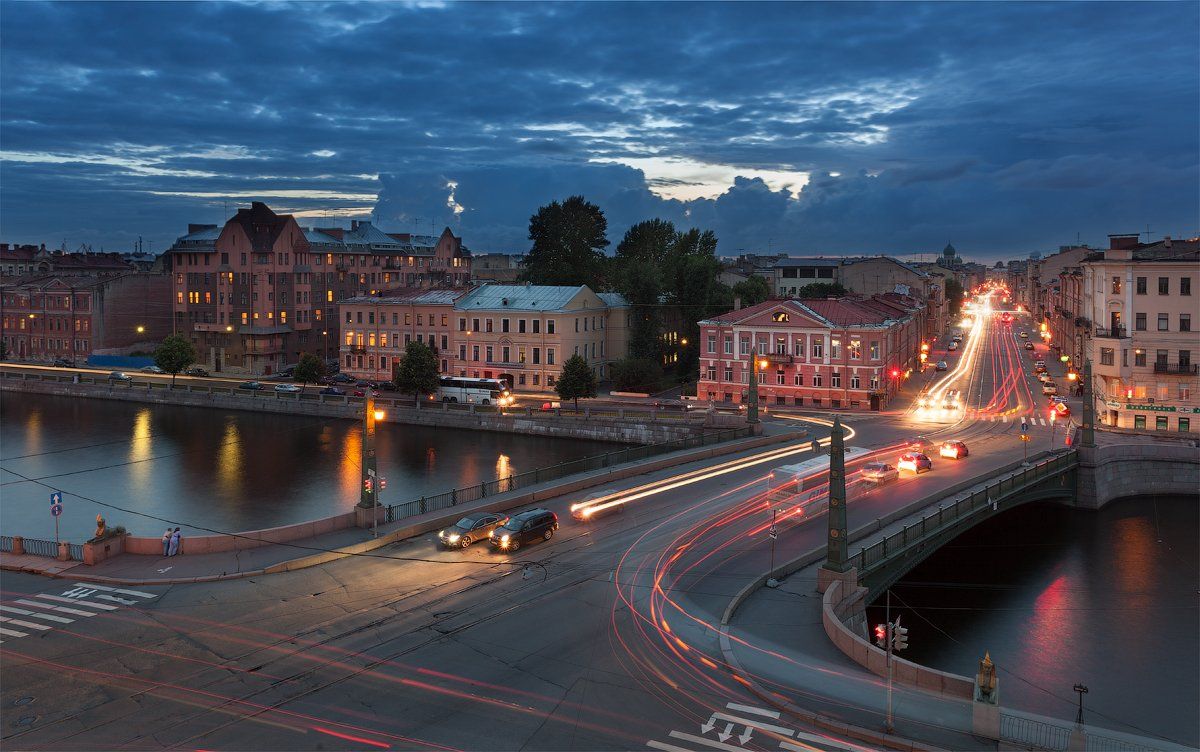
(227, 470)
(1058, 596)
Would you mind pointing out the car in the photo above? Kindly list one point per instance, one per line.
(195, 371)
(387, 386)
(1049, 388)
(1039, 368)
(955, 450)
(119, 376)
(548, 406)
(919, 444)
(914, 462)
(953, 346)
(879, 472)
(1024, 335)
(941, 366)
(364, 392)
(253, 386)
(587, 510)
(670, 405)
(342, 378)
(288, 389)
(333, 391)
(64, 363)
(1028, 345)
(924, 402)
(470, 529)
(152, 369)
(1043, 377)
(526, 527)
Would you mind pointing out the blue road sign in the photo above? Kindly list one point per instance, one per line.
(1024, 427)
(56, 509)
(55, 498)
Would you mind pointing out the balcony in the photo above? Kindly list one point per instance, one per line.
(1180, 369)
(1116, 332)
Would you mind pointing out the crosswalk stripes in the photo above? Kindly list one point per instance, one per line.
(41, 612)
(733, 732)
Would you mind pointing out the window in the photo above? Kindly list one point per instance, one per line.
(487, 326)
(537, 329)
(462, 352)
(728, 373)
(779, 377)
(817, 381)
(1160, 357)
(1116, 285)
(855, 349)
(1185, 287)
(490, 353)
(549, 330)
(549, 357)
(1106, 356)
(798, 379)
(744, 346)
(1185, 358)
(462, 325)
(729, 345)
(507, 353)
(537, 354)
(1163, 322)
(1164, 285)
(475, 353)
(1160, 423)
(836, 381)
(854, 382)
(359, 316)
(504, 325)
(1139, 358)
(1139, 421)
(835, 349)
(874, 350)
(1141, 285)
(1139, 322)
(781, 346)
(1185, 425)
(712, 345)
(1185, 322)
(711, 373)
(520, 326)
(818, 347)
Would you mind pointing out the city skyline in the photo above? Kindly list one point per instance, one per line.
(800, 129)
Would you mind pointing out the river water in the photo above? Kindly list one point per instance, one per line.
(227, 470)
(1058, 596)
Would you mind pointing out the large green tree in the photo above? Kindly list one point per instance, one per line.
(417, 373)
(569, 239)
(753, 290)
(822, 290)
(577, 380)
(637, 375)
(309, 370)
(648, 241)
(174, 354)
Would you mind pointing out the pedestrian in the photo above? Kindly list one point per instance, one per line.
(166, 540)
(174, 549)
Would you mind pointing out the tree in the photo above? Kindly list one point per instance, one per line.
(568, 244)
(3, 350)
(649, 241)
(753, 291)
(309, 370)
(174, 354)
(417, 373)
(822, 290)
(640, 281)
(954, 295)
(637, 375)
(577, 380)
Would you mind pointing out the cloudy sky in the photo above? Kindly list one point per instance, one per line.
(805, 127)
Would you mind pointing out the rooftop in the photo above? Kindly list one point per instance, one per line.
(410, 297)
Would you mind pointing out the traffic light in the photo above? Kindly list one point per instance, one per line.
(901, 636)
(881, 631)
(1053, 415)
(368, 484)
(383, 484)
(895, 373)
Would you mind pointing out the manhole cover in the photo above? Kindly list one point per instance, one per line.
(22, 701)
(25, 720)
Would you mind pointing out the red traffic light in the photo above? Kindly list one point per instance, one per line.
(383, 484)
(895, 373)
(368, 485)
(881, 635)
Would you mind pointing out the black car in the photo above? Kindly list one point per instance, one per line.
(64, 363)
(195, 371)
(333, 391)
(253, 386)
(526, 527)
(386, 386)
(342, 378)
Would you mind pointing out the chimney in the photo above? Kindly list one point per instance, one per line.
(1167, 241)
(1122, 242)
(737, 304)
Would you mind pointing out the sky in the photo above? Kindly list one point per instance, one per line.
(805, 128)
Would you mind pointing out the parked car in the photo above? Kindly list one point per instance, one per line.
(253, 386)
(288, 389)
(548, 406)
(152, 369)
(955, 450)
(387, 386)
(941, 366)
(333, 391)
(914, 462)
(1049, 388)
(670, 405)
(364, 392)
(195, 371)
(119, 376)
(879, 472)
(587, 510)
(342, 378)
(526, 527)
(472, 528)
(64, 363)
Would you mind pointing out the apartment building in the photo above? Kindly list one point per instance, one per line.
(1141, 299)
(375, 330)
(843, 352)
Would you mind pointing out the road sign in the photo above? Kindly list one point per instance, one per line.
(773, 533)
(1024, 426)
(56, 509)
(55, 498)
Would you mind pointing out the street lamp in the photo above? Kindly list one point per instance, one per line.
(141, 329)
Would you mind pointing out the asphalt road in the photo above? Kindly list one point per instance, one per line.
(601, 638)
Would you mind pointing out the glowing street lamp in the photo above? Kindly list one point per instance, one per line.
(141, 329)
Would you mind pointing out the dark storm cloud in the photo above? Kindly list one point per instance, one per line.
(1005, 127)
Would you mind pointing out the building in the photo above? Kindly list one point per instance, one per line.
(376, 329)
(1141, 299)
(255, 293)
(19, 260)
(48, 317)
(790, 275)
(524, 333)
(496, 267)
(837, 353)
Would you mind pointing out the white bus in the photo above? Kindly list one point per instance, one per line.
(804, 486)
(477, 391)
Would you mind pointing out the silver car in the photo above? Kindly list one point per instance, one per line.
(879, 472)
(470, 529)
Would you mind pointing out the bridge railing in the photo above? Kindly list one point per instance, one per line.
(946, 518)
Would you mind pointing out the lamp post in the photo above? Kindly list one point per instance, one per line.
(752, 401)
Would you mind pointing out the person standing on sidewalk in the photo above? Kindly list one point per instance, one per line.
(166, 541)
(174, 549)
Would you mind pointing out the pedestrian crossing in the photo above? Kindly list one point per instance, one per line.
(41, 612)
(1031, 420)
(745, 723)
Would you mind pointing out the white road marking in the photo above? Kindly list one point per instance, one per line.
(706, 742)
(115, 599)
(77, 602)
(12, 633)
(666, 747)
(20, 623)
(754, 724)
(820, 740)
(63, 609)
(48, 617)
(137, 593)
(754, 710)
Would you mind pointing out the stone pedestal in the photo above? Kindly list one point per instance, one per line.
(985, 705)
(826, 577)
(64, 551)
(18, 545)
(985, 719)
(1078, 740)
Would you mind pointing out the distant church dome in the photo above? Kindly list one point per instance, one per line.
(948, 251)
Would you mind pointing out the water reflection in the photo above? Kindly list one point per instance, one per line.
(229, 462)
(140, 446)
(504, 473)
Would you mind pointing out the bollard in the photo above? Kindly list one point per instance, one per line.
(18, 545)
(64, 551)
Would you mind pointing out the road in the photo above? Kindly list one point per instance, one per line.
(601, 638)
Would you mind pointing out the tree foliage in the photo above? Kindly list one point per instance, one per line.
(569, 239)
(753, 291)
(174, 354)
(822, 290)
(649, 241)
(637, 375)
(309, 370)
(577, 380)
(954, 295)
(417, 373)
